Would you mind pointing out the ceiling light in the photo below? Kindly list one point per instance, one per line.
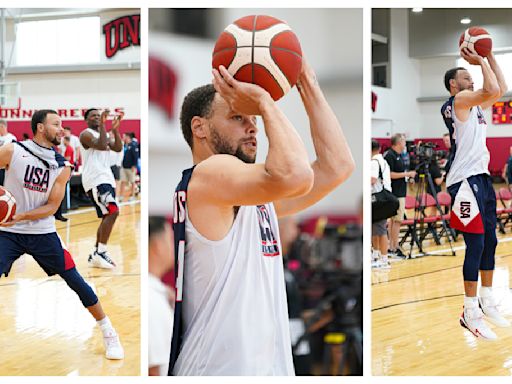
(417, 10)
(465, 20)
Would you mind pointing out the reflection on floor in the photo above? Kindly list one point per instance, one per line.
(44, 329)
(415, 317)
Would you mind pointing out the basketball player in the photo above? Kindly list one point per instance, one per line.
(98, 180)
(470, 185)
(36, 175)
(231, 314)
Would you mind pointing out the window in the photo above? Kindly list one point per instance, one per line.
(58, 42)
(504, 60)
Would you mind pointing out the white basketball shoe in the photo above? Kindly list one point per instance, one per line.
(101, 260)
(113, 348)
(489, 307)
(472, 319)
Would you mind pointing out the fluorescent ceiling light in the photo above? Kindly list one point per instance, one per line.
(417, 10)
(465, 20)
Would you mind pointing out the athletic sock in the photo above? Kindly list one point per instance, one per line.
(470, 302)
(485, 291)
(105, 324)
(101, 248)
(384, 258)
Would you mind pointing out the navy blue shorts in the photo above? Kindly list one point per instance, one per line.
(104, 199)
(46, 249)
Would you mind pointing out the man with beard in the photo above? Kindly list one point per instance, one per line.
(36, 176)
(98, 180)
(231, 313)
(470, 185)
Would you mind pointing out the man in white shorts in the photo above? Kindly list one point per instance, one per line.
(98, 180)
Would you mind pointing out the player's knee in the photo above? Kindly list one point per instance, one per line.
(76, 282)
(113, 211)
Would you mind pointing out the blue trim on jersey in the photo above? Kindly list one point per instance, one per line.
(447, 111)
(179, 235)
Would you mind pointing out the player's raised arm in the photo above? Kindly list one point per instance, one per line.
(227, 180)
(486, 96)
(334, 162)
(116, 142)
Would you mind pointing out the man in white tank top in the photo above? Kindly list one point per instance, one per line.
(231, 313)
(470, 185)
(98, 180)
(36, 176)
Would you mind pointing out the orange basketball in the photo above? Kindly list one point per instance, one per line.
(260, 50)
(7, 205)
(477, 40)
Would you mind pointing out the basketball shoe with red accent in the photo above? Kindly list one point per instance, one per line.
(101, 260)
(490, 309)
(472, 319)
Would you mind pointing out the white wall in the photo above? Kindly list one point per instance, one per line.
(69, 90)
(397, 105)
(339, 69)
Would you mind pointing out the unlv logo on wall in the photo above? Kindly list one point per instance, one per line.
(121, 33)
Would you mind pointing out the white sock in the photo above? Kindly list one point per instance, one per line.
(105, 324)
(485, 291)
(470, 302)
(375, 255)
(102, 248)
(384, 258)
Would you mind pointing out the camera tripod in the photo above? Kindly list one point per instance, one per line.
(424, 188)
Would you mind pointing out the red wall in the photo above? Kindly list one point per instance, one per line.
(18, 128)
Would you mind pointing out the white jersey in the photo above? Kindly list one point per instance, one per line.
(471, 153)
(6, 139)
(30, 181)
(379, 161)
(235, 314)
(96, 165)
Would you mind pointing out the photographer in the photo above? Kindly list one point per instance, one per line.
(399, 189)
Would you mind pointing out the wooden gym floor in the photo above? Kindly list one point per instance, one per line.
(415, 317)
(45, 330)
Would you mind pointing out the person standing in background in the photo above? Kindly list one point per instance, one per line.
(5, 138)
(160, 297)
(399, 188)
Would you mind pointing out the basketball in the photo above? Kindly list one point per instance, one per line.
(260, 50)
(477, 40)
(7, 205)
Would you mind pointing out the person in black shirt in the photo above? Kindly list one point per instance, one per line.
(129, 166)
(507, 171)
(399, 189)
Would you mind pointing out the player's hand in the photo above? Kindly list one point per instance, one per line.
(117, 121)
(307, 74)
(411, 174)
(104, 116)
(242, 97)
(14, 220)
(471, 58)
